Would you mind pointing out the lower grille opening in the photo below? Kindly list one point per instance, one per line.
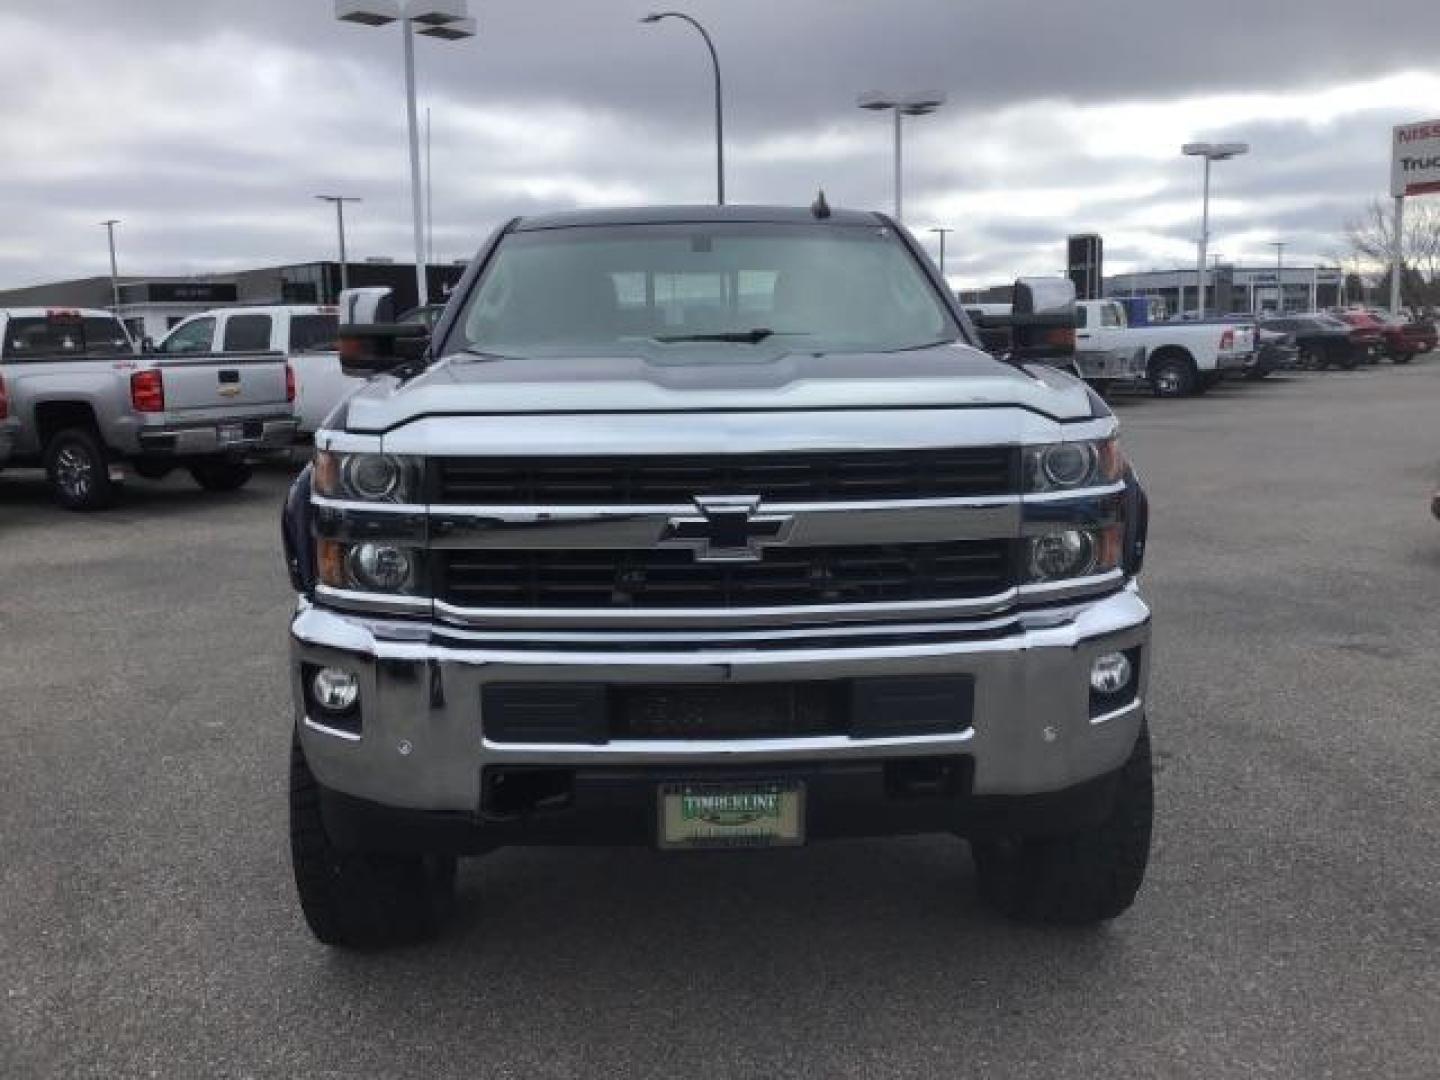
(926, 778)
(520, 791)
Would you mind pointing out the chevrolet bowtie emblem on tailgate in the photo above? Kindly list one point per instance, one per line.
(728, 529)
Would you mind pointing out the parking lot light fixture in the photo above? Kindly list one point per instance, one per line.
(1209, 152)
(658, 16)
(902, 105)
(445, 20)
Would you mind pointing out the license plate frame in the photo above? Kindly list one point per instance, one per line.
(231, 434)
(738, 814)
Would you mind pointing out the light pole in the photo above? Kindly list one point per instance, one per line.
(340, 201)
(903, 105)
(1210, 152)
(1279, 246)
(655, 17)
(446, 20)
(114, 271)
(942, 233)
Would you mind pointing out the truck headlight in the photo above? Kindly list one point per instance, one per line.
(1069, 465)
(371, 566)
(1074, 553)
(367, 477)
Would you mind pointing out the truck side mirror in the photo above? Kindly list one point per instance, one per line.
(1042, 319)
(375, 348)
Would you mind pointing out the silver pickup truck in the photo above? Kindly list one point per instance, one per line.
(76, 399)
(712, 527)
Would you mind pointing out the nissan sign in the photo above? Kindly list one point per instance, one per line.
(1415, 159)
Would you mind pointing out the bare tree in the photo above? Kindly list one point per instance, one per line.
(1371, 237)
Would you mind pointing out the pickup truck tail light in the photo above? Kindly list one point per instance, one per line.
(4, 399)
(147, 391)
(289, 383)
(1227, 339)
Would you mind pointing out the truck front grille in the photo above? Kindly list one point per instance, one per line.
(666, 578)
(636, 481)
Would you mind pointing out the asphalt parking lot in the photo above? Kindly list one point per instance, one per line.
(1290, 925)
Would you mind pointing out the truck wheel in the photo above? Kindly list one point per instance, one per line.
(1173, 377)
(79, 473)
(1079, 878)
(222, 475)
(1404, 357)
(356, 899)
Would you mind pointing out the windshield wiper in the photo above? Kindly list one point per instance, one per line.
(922, 345)
(741, 337)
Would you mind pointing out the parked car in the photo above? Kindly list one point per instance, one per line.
(1366, 332)
(1275, 350)
(615, 560)
(1322, 341)
(85, 406)
(304, 333)
(1180, 358)
(1405, 338)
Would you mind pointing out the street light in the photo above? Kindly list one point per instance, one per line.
(114, 272)
(943, 233)
(1279, 246)
(916, 104)
(340, 201)
(657, 16)
(1210, 152)
(445, 20)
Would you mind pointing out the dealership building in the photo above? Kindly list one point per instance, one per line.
(1237, 289)
(152, 305)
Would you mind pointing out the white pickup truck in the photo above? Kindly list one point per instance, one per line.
(1182, 359)
(305, 333)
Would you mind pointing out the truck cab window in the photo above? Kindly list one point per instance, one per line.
(198, 336)
(313, 333)
(247, 333)
(56, 339)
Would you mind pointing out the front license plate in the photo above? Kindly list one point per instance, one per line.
(230, 434)
(766, 814)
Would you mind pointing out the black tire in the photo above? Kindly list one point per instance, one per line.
(1173, 377)
(1347, 360)
(78, 470)
(222, 475)
(356, 899)
(1404, 357)
(1080, 878)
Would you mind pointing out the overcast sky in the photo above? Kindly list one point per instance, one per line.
(208, 125)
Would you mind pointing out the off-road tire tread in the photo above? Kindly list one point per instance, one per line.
(1080, 878)
(359, 899)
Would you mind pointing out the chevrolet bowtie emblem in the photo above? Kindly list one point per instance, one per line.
(727, 529)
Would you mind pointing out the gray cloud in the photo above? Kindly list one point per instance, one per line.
(207, 126)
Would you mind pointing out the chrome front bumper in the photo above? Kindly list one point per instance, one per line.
(201, 439)
(423, 744)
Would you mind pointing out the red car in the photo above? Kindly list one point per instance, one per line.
(1405, 338)
(1367, 333)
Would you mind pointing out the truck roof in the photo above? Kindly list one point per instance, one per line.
(43, 312)
(666, 215)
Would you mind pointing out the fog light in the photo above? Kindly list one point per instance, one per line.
(1110, 673)
(335, 690)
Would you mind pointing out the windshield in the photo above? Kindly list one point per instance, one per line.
(65, 336)
(684, 291)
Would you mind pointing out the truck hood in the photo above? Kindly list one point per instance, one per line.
(938, 377)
